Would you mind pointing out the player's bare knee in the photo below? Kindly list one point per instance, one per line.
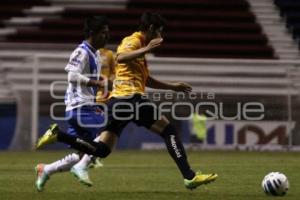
(109, 138)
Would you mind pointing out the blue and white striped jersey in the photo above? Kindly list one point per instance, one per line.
(86, 61)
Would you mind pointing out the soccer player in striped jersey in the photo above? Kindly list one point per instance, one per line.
(83, 70)
(131, 78)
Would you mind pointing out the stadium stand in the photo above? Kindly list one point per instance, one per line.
(6, 93)
(268, 15)
(289, 10)
(224, 77)
(13, 8)
(205, 29)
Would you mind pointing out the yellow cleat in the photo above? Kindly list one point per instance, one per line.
(199, 179)
(49, 137)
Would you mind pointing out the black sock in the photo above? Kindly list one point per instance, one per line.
(177, 152)
(90, 147)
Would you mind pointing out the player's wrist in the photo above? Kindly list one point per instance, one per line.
(145, 50)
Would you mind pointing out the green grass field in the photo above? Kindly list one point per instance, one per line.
(138, 175)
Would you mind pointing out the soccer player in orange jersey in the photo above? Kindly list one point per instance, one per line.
(131, 79)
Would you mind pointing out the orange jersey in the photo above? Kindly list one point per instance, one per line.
(131, 77)
(107, 70)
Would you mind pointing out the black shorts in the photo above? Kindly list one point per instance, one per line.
(137, 109)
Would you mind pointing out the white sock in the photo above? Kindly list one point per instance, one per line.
(84, 162)
(63, 164)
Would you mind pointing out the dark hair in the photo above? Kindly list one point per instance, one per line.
(94, 24)
(148, 19)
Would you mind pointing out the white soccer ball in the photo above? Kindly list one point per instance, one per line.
(275, 184)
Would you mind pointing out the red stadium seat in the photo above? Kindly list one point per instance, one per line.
(195, 28)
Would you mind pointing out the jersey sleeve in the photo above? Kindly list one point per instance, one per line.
(129, 44)
(77, 61)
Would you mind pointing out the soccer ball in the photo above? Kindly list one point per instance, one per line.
(275, 184)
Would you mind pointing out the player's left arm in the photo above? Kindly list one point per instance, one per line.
(178, 87)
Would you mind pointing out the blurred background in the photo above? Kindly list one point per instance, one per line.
(238, 50)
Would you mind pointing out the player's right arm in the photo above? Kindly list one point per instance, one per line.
(134, 50)
(75, 66)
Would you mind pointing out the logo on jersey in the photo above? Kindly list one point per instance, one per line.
(75, 60)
